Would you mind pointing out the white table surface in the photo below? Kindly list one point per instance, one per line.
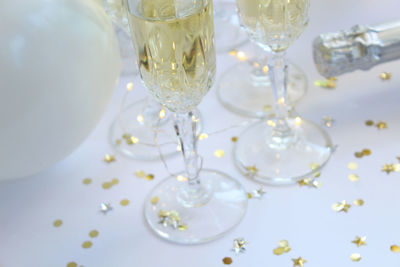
(303, 216)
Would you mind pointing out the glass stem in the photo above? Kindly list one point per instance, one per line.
(282, 134)
(192, 193)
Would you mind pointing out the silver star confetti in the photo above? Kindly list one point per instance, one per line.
(259, 193)
(105, 207)
(239, 245)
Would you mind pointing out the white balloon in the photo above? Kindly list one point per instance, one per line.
(59, 63)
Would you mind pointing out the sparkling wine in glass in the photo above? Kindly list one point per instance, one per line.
(282, 149)
(174, 43)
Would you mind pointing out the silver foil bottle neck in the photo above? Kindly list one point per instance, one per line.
(361, 47)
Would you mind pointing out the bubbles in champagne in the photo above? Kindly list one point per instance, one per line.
(174, 44)
(274, 23)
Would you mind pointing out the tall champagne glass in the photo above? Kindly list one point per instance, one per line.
(283, 149)
(174, 42)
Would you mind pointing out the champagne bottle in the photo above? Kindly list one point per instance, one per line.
(361, 47)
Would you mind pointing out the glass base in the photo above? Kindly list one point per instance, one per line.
(261, 161)
(221, 213)
(127, 123)
(228, 34)
(247, 92)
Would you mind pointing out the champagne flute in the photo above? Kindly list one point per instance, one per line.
(282, 149)
(174, 42)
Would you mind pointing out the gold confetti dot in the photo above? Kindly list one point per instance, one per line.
(381, 125)
(353, 177)
(124, 202)
(109, 158)
(72, 264)
(352, 166)
(267, 108)
(87, 181)
(219, 153)
(366, 152)
(241, 56)
(279, 251)
(358, 202)
(234, 139)
(265, 69)
(57, 223)
(133, 140)
(149, 177)
(94, 233)
(129, 86)
(203, 136)
(227, 260)
(118, 141)
(107, 185)
(115, 181)
(385, 76)
(140, 174)
(87, 244)
(232, 53)
(358, 154)
(355, 257)
(154, 200)
(139, 118)
(182, 227)
(249, 196)
(325, 84)
(369, 122)
(395, 248)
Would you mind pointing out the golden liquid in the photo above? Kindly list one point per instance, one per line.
(175, 49)
(274, 23)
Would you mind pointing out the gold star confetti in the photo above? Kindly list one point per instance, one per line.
(369, 122)
(203, 136)
(124, 202)
(171, 218)
(87, 181)
(115, 181)
(227, 260)
(239, 245)
(283, 248)
(358, 202)
(140, 174)
(360, 241)
(219, 153)
(341, 206)
(352, 166)
(57, 223)
(353, 177)
(109, 158)
(87, 244)
(328, 121)
(329, 84)
(154, 200)
(107, 185)
(366, 152)
(299, 262)
(355, 257)
(388, 168)
(94, 234)
(149, 177)
(305, 181)
(105, 207)
(182, 227)
(385, 76)
(72, 264)
(381, 125)
(252, 169)
(234, 139)
(309, 182)
(395, 248)
(132, 140)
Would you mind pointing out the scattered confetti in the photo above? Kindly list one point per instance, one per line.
(219, 153)
(249, 195)
(87, 181)
(172, 219)
(162, 113)
(360, 241)
(182, 227)
(282, 248)
(395, 248)
(94, 234)
(140, 174)
(149, 177)
(181, 178)
(115, 181)
(352, 166)
(369, 122)
(328, 121)
(329, 84)
(366, 152)
(388, 168)
(107, 185)
(154, 200)
(129, 86)
(358, 202)
(124, 202)
(267, 108)
(203, 136)
(381, 125)
(259, 193)
(139, 118)
(385, 76)
(109, 158)
(72, 264)
(57, 223)
(358, 154)
(355, 257)
(309, 182)
(251, 170)
(353, 177)
(87, 244)
(341, 206)
(227, 260)
(239, 245)
(105, 207)
(118, 141)
(299, 262)
(235, 139)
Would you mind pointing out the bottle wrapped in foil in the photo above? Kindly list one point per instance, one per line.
(361, 47)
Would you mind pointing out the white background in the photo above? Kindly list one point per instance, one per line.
(303, 216)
